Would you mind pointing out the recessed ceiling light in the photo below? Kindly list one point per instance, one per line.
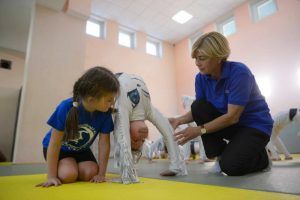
(182, 17)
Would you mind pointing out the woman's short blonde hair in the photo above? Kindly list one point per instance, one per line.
(212, 45)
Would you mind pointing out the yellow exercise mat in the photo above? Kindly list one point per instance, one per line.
(23, 188)
(5, 163)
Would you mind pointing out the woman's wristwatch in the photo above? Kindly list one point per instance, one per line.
(203, 129)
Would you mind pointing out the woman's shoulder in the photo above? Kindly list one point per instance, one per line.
(238, 67)
(199, 76)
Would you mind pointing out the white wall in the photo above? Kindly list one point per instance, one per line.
(10, 84)
(54, 60)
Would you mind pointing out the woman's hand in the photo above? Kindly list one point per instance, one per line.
(54, 181)
(174, 122)
(187, 134)
(98, 179)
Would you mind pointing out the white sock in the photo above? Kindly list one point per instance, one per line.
(216, 167)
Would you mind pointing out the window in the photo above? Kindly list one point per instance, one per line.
(127, 38)
(227, 27)
(95, 28)
(153, 47)
(262, 8)
(265, 85)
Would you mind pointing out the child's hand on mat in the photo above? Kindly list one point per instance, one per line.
(51, 182)
(98, 179)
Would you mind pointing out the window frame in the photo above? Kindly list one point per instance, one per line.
(102, 27)
(157, 43)
(221, 23)
(132, 36)
(254, 9)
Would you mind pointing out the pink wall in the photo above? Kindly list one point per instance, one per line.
(269, 47)
(157, 72)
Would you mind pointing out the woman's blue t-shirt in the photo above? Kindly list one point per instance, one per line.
(89, 126)
(236, 86)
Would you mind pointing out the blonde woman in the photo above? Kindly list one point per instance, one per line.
(232, 116)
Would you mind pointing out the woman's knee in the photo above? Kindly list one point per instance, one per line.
(198, 105)
(203, 112)
(231, 167)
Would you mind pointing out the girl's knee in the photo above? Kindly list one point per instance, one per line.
(68, 176)
(67, 170)
(88, 172)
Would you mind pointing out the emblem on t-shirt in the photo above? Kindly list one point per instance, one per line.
(134, 97)
(86, 137)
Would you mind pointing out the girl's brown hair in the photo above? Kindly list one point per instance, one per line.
(96, 82)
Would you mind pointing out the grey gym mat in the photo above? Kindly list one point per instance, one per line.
(284, 176)
(22, 169)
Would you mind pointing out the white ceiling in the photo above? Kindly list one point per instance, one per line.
(154, 17)
(15, 18)
(14, 24)
(150, 16)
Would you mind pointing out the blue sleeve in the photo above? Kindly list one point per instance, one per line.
(199, 88)
(240, 89)
(108, 125)
(58, 118)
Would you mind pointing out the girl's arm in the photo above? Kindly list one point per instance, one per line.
(103, 155)
(52, 158)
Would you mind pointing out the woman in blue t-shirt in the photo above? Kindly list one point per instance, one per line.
(75, 124)
(233, 117)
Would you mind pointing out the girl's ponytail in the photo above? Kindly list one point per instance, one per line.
(71, 130)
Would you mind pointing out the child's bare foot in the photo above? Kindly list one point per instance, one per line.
(276, 159)
(201, 161)
(187, 161)
(208, 160)
(168, 173)
(289, 158)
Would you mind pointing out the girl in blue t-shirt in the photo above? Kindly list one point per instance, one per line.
(75, 124)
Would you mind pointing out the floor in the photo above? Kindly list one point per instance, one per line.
(281, 182)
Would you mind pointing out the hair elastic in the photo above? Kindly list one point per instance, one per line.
(75, 104)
